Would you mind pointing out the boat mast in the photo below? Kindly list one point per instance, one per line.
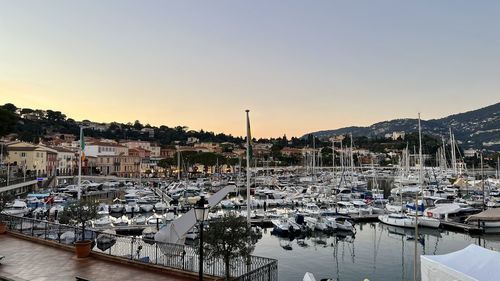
(482, 182)
(314, 159)
(333, 158)
(420, 179)
(178, 164)
(80, 165)
(453, 156)
(248, 167)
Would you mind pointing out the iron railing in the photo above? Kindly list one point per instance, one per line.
(3, 183)
(182, 257)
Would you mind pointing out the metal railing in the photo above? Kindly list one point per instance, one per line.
(182, 257)
(3, 183)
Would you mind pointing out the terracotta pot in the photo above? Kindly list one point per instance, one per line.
(82, 248)
(3, 227)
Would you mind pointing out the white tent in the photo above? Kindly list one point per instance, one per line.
(471, 263)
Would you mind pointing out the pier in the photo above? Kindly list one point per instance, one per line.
(461, 227)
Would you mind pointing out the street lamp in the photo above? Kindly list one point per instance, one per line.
(201, 214)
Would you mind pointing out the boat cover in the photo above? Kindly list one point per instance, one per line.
(492, 214)
(471, 263)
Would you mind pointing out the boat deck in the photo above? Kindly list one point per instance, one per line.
(26, 260)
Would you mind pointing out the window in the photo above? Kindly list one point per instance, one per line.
(23, 154)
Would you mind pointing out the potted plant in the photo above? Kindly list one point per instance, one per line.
(81, 212)
(4, 199)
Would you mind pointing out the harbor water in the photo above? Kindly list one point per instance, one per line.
(375, 252)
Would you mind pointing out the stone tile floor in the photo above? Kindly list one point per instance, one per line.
(26, 260)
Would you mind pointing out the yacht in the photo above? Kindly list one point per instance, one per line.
(18, 208)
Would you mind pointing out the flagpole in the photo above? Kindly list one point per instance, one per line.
(80, 166)
(248, 167)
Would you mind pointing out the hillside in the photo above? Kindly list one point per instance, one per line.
(478, 128)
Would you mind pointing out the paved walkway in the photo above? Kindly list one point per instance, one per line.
(25, 260)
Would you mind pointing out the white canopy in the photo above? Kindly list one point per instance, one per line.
(469, 264)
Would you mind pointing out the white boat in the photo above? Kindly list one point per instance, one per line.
(312, 209)
(400, 220)
(428, 222)
(121, 221)
(18, 208)
(146, 207)
(132, 207)
(103, 209)
(394, 208)
(116, 208)
(139, 220)
(161, 206)
(103, 222)
(155, 219)
(67, 237)
(227, 204)
(339, 223)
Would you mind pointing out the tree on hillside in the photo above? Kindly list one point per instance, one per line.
(7, 121)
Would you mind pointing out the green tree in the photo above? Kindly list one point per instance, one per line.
(5, 198)
(80, 212)
(167, 163)
(10, 107)
(229, 238)
(8, 121)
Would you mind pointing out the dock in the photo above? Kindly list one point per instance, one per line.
(461, 227)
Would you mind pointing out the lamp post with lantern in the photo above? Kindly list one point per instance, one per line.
(201, 214)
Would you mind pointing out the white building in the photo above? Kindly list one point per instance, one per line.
(66, 160)
(97, 149)
(471, 152)
(137, 143)
(395, 135)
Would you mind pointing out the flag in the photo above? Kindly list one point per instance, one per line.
(82, 144)
(249, 136)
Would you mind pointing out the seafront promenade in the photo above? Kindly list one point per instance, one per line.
(26, 260)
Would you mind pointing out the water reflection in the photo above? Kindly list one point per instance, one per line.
(376, 251)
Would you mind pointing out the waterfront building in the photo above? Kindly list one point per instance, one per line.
(101, 148)
(136, 143)
(66, 160)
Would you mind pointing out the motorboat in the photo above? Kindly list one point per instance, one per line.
(146, 207)
(339, 223)
(312, 209)
(160, 206)
(139, 220)
(121, 221)
(103, 209)
(132, 207)
(104, 221)
(17, 208)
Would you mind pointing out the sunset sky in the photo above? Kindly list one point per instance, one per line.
(299, 66)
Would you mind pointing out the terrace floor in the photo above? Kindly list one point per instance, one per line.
(26, 260)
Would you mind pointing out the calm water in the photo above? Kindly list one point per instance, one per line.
(376, 252)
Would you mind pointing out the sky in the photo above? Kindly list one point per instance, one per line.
(298, 66)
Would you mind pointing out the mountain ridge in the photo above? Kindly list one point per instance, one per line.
(478, 128)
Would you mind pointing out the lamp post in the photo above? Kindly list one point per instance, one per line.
(201, 214)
